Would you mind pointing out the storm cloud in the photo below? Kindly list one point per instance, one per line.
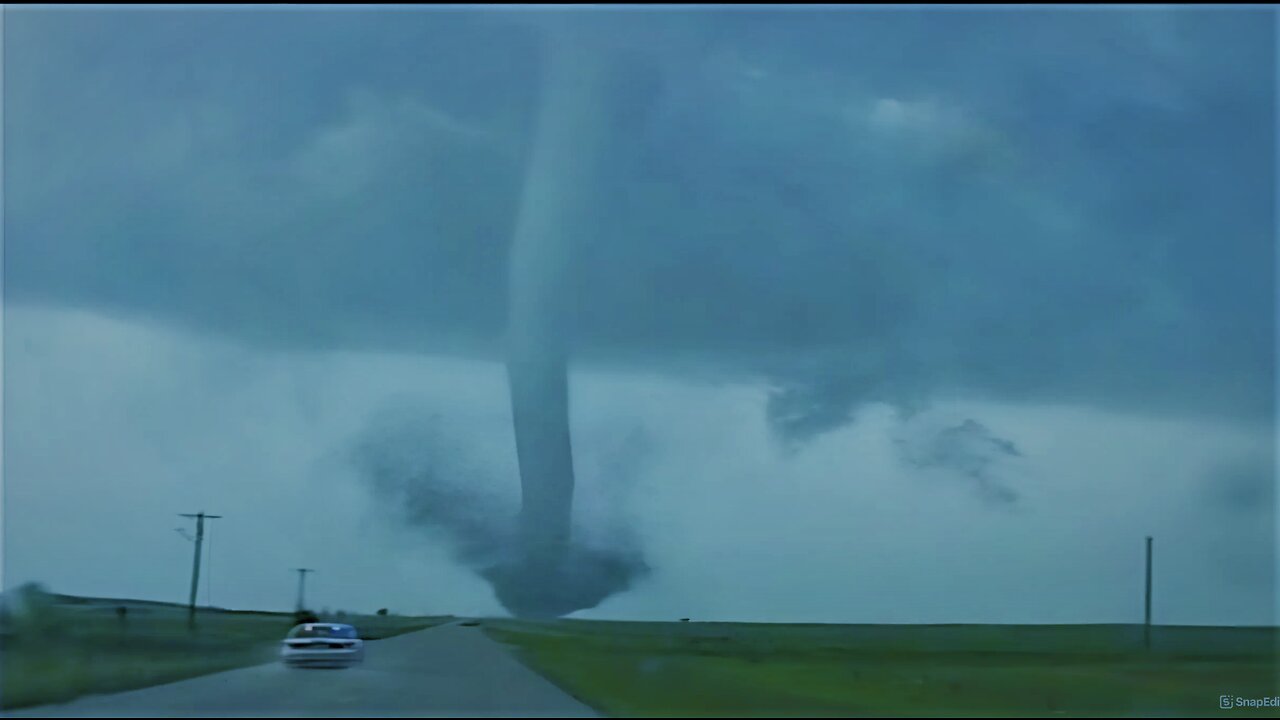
(1045, 218)
(1064, 206)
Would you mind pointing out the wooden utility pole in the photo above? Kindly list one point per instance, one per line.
(195, 567)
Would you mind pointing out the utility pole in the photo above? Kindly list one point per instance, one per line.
(302, 585)
(1146, 617)
(195, 568)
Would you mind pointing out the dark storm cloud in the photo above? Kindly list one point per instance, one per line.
(1035, 205)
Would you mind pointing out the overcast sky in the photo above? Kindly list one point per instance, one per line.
(889, 315)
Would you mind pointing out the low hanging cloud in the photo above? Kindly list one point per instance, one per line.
(967, 450)
(108, 420)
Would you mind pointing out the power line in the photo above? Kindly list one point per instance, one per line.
(208, 576)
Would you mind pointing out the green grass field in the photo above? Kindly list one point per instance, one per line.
(78, 646)
(729, 669)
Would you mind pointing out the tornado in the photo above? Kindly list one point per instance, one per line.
(548, 575)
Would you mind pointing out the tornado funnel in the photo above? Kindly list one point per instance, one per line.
(547, 575)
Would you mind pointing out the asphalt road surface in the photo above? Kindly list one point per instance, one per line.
(446, 671)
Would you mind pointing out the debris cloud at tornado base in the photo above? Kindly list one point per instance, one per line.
(435, 475)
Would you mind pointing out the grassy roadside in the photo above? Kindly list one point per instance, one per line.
(715, 669)
(58, 653)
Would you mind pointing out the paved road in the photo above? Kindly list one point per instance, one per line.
(440, 672)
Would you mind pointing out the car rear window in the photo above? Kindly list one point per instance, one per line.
(316, 630)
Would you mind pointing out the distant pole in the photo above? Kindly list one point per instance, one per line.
(302, 586)
(1146, 617)
(195, 567)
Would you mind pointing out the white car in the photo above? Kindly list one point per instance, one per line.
(322, 645)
